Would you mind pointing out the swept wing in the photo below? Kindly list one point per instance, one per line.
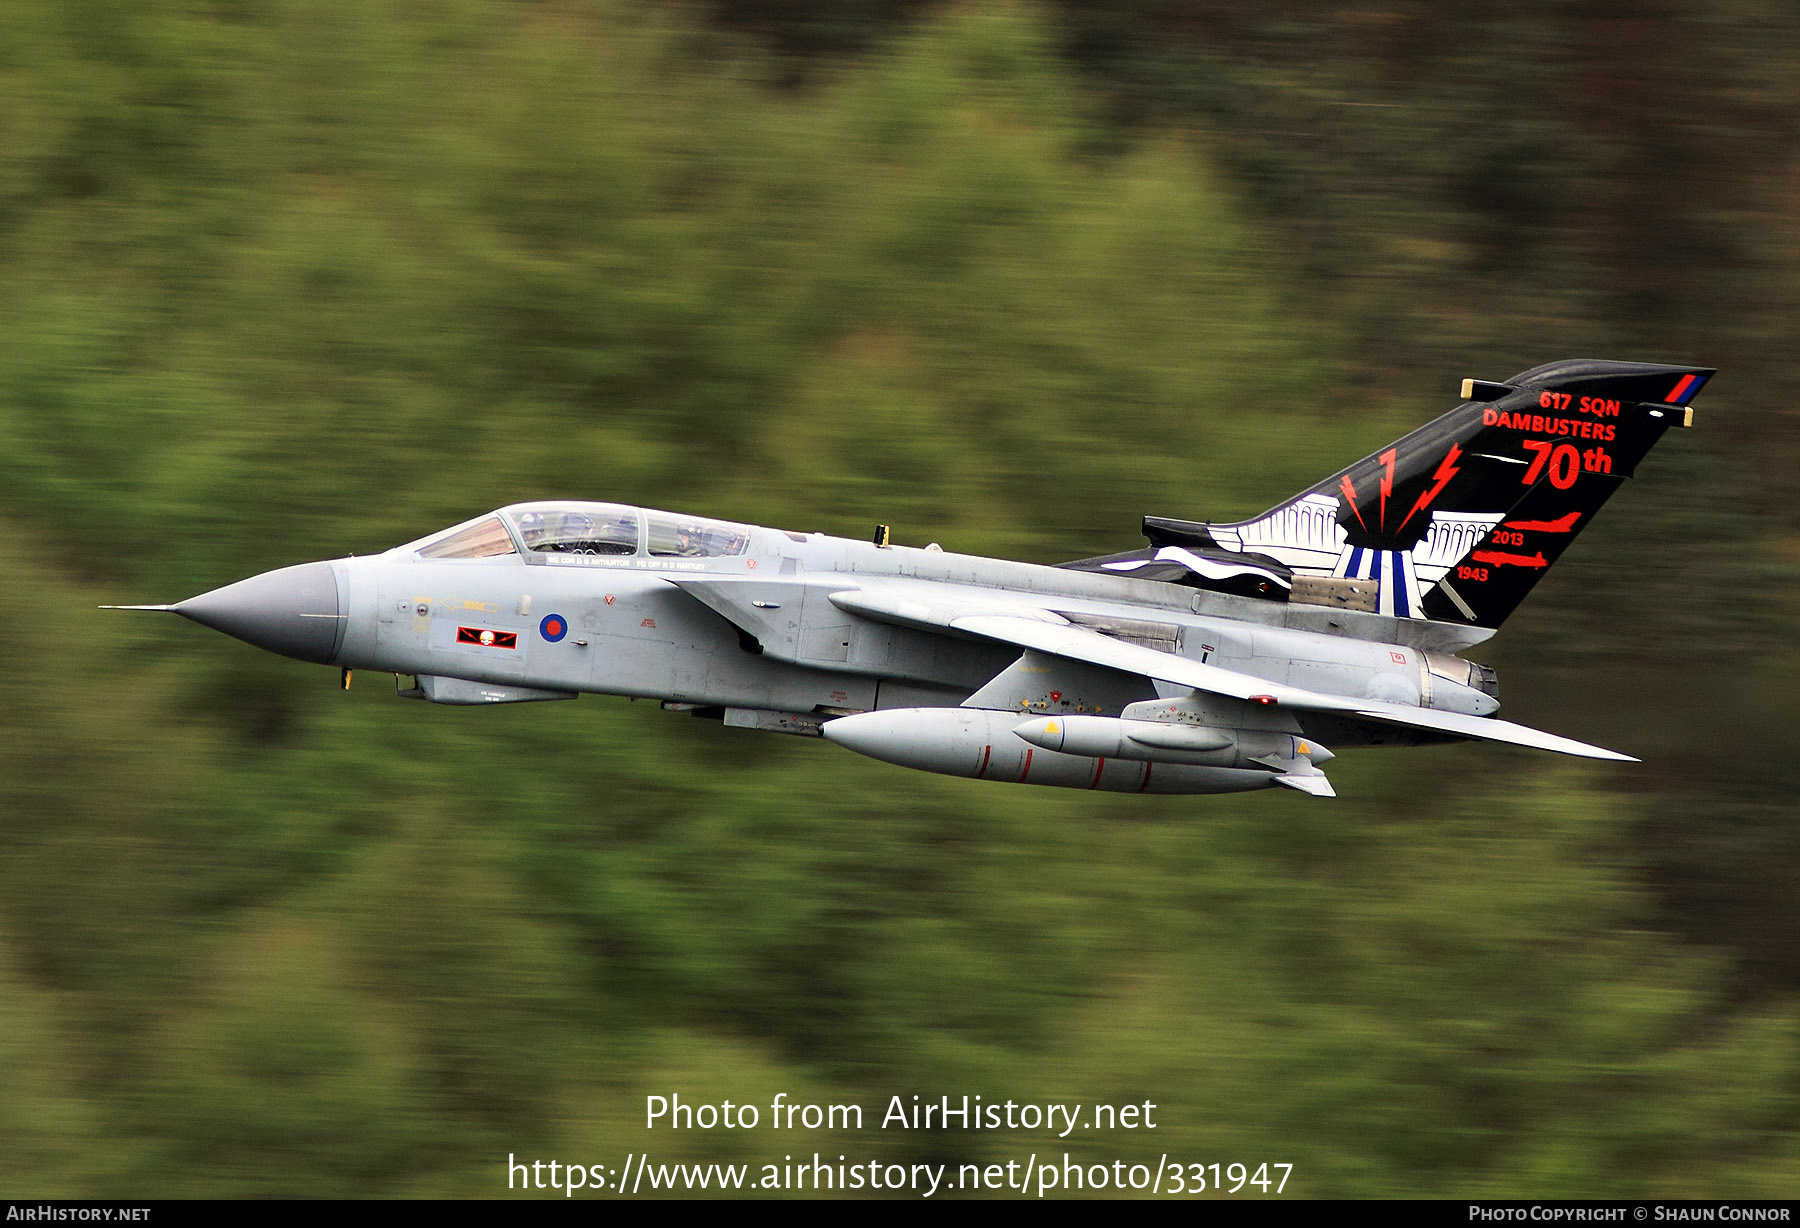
(1044, 631)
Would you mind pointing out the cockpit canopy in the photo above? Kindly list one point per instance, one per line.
(478, 539)
(585, 529)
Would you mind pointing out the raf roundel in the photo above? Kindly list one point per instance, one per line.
(554, 627)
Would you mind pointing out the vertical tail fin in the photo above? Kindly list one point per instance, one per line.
(1460, 519)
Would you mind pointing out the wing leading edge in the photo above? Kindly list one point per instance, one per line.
(1061, 638)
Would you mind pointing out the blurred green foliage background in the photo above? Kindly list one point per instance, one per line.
(289, 279)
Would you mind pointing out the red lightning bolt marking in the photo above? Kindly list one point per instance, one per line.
(1350, 494)
(1387, 483)
(1445, 471)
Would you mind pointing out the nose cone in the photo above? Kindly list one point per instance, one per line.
(296, 611)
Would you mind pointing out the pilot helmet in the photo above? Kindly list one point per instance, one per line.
(531, 527)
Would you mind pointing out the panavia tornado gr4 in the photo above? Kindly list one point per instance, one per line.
(1221, 658)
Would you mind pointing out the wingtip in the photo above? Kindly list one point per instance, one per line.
(1585, 750)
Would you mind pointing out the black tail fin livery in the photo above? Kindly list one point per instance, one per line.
(1458, 520)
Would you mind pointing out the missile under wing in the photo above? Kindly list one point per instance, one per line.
(1222, 657)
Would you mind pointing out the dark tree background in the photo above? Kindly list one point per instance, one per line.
(286, 280)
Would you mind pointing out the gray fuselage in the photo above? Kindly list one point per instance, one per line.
(758, 631)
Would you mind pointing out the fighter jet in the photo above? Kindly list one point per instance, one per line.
(1221, 658)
